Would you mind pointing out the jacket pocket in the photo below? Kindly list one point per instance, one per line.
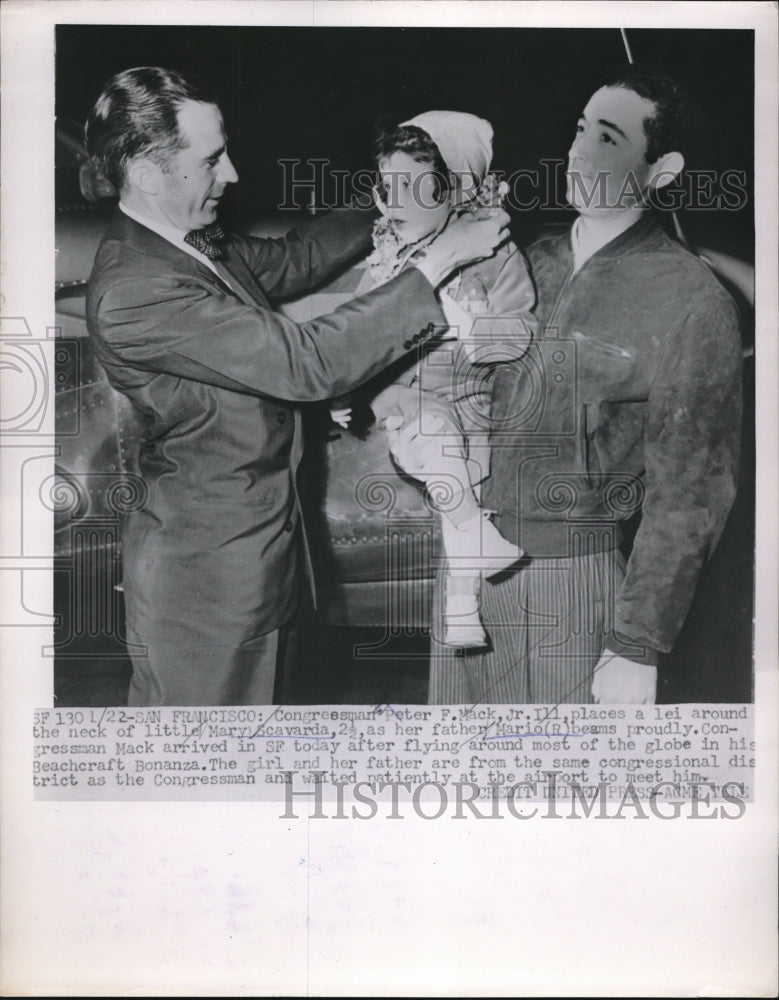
(238, 495)
(602, 347)
(590, 460)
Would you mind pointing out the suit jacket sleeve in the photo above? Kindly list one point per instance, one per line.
(309, 253)
(183, 326)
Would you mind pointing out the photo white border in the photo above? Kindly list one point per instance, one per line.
(220, 899)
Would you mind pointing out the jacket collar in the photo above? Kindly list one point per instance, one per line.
(146, 242)
(646, 232)
(150, 244)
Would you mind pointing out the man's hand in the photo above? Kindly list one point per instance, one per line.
(619, 681)
(466, 238)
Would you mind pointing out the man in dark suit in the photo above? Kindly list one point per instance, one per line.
(181, 321)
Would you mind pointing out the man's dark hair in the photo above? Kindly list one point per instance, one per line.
(137, 114)
(416, 143)
(675, 119)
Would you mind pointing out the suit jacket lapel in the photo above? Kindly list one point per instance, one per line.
(231, 268)
(241, 278)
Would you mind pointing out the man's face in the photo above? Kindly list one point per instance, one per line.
(607, 167)
(195, 178)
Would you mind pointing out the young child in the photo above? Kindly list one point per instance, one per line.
(432, 167)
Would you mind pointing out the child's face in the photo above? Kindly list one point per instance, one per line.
(408, 189)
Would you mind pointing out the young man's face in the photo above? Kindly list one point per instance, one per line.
(196, 176)
(607, 167)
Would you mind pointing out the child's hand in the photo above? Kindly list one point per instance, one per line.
(341, 416)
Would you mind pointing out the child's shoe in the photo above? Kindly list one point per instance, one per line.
(476, 544)
(462, 624)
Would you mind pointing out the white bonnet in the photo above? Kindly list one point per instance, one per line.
(465, 144)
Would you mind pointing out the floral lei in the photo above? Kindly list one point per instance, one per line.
(390, 254)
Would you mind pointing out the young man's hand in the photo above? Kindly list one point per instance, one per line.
(619, 681)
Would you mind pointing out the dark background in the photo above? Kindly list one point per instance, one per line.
(318, 92)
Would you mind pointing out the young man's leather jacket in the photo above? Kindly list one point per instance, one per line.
(629, 399)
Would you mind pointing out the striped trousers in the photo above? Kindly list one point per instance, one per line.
(547, 623)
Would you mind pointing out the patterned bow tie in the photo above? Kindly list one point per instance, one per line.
(206, 240)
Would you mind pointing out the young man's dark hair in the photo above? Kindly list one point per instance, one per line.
(138, 114)
(671, 128)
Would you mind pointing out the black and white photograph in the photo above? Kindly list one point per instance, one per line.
(318, 492)
(389, 467)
